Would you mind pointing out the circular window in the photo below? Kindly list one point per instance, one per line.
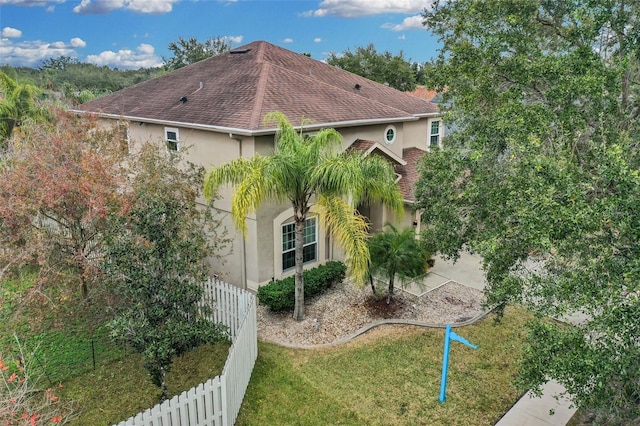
(390, 135)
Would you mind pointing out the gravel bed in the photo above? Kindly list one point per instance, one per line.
(344, 309)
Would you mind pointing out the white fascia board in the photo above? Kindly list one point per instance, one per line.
(221, 129)
(261, 132)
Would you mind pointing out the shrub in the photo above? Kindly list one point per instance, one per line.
(279, 295)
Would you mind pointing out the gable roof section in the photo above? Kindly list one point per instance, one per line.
(368, 147)
(409, 172)
(234, 91)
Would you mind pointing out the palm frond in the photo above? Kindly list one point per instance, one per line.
(350, 230)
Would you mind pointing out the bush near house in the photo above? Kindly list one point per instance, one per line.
(279, 295)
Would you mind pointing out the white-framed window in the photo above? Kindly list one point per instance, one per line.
(435, 133)
(390, 135)
(310, 247)
(172, 138)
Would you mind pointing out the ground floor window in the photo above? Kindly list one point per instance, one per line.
(310, 248)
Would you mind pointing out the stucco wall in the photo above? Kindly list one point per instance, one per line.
(256, 258)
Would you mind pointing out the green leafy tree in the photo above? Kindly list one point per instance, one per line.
(155, 258)
(189, 51)
(397, 254)
(18, 104)
(306, 169)
(384, 68)
(541, 178)
(59, 184)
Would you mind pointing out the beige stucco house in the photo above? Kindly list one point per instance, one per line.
(216, 108)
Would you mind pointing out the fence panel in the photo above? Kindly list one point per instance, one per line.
(217, 401)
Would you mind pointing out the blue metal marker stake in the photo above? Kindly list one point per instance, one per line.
(448, 336)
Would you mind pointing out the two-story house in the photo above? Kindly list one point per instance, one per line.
(216, 108)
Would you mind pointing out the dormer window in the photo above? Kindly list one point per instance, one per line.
(172, 138)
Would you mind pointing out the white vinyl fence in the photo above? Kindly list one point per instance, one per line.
(217, 401)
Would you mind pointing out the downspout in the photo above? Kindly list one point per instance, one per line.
(243, 247)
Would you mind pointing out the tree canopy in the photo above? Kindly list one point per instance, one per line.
(59, 184)
(189, 51)
(155, 259)
(541, 177)
(19, 103)
(384, 68)
(305, 170)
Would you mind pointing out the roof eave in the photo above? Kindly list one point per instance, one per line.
(208, 127)
(260, 132)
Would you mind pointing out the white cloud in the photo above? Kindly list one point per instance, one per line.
(143, 57)
(410, 23)
(234, 39)
(151, 6)
(98, 7)
(8, 32)
(402, 37)
(78, 42)
(355, 8)
(317, 40)
(288, 40)
(32, 53)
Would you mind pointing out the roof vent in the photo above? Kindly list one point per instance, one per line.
(239, 51)
(201, 85)
(183, 99)
(358, 86)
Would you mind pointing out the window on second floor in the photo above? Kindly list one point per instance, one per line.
(310, 243)
(172, 138)
(435, 133)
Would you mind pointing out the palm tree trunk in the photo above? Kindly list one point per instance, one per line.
(298, 310)
(390, 292)
(373, 286)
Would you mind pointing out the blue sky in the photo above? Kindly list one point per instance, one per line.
(130, 34)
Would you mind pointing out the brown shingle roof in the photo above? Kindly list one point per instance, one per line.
(409, 172)
(236, 89)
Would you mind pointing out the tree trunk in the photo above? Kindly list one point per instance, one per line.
(298, 310)
(163, 384)
(390, 292)
(373, 286)
(84, 288)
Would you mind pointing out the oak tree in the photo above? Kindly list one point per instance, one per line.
(540, 176)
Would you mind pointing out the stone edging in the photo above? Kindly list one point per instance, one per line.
(373, 325)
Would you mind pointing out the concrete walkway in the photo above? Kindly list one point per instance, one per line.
(546, 410)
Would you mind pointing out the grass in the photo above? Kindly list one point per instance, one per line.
(389, 377)
(65, 335)
(121, 389)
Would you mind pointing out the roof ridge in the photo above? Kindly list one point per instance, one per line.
(259, 94)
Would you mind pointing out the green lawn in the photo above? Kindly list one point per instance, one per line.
(391, 376)
(116, 391)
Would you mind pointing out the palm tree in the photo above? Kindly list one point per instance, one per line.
(397, 253)
(18, 102)
(305, 170)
